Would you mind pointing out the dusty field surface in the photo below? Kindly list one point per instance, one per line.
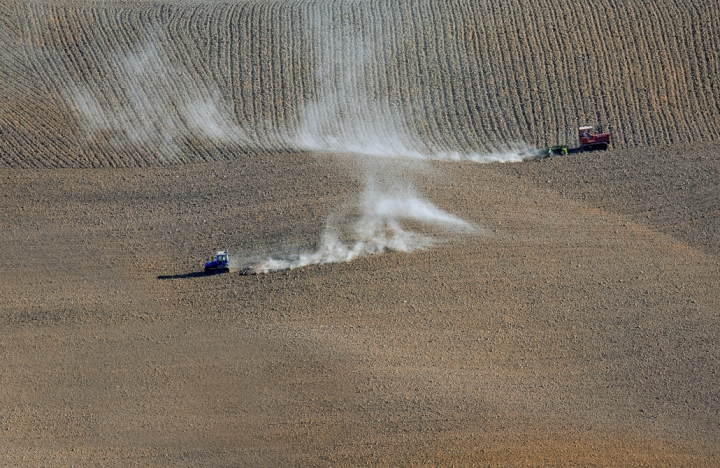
(573, 320)
(575, 326)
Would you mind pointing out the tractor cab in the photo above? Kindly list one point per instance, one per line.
(585, 134)
(221, 263)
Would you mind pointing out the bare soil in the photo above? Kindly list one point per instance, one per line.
(576, 326)
(136, 83)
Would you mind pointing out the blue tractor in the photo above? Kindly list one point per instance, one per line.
(220, 264)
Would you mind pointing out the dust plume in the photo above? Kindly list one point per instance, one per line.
(377, 223)
(352, 112)
(150, 96)
(349, 114)
(157, 105)
(351, 117)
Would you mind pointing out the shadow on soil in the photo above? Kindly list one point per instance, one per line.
(570, 151)
(194, 274)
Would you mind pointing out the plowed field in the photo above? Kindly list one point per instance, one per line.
(88, 84)
(423, 308)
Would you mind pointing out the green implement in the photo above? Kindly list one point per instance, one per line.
(557, 150)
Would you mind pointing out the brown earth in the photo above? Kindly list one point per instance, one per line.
(577, 325)
(134, 83)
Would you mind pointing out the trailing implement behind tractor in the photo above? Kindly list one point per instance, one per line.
(591, 141)
(557, 150)
(221, 264)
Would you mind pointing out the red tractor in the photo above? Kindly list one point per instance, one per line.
(591, 141)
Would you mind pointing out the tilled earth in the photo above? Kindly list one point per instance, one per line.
(577, 325)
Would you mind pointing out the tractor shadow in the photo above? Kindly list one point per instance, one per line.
(194, 274)
(577, 150)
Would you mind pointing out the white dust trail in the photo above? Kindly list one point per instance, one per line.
(350, 118)
(379, 229)
(329, 130)
(159, 105)
(351, 112)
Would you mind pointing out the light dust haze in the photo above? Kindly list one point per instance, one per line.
(162, 104)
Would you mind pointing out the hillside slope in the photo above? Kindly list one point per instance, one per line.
(87, 84)
(420, 308)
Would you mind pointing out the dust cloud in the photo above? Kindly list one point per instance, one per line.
(352, 112)
(349, 116)
(375, 224)
(157, 104)
(147, 98)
